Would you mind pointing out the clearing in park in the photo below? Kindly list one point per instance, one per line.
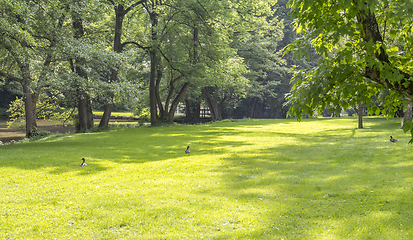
(251, 179)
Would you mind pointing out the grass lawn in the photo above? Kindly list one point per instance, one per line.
(256, 179)
(116, 114)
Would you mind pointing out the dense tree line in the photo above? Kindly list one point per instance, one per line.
(225, 55)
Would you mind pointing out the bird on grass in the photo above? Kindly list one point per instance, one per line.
(83, 163)
(392, 139)
(187, 150)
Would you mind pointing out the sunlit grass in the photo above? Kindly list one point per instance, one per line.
(117, 114)
(256, 179)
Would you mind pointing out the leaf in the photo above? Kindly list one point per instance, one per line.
(393, 33)
(407, 126)
(394, 49)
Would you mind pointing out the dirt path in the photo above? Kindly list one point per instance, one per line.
(6, 134)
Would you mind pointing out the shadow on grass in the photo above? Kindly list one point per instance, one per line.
(63, 154)
(335, 181)
(324, 187)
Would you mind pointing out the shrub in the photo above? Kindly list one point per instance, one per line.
(47, 108)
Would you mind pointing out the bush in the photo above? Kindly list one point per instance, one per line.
(40, 135)
(47, 108)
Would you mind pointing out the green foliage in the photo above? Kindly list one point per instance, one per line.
(40, 135)
(265, 65)
(350, 54)
(16, 112)
(144, 115)
(48, 108)
(408, 127)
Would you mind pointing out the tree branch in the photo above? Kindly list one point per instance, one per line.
(136, 44)
(10, 76)
(371, 32)
(134, 5)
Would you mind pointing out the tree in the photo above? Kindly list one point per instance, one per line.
(184, 40)
(85, 114)
(83, 59)
(356, 60)
(266, 68)
(121, 10)
(224, 81)
(28, 37)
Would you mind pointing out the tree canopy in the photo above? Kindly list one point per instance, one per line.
(364, 46)
(84, 54)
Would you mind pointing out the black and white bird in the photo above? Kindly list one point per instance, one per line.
(187, 150)
(392, 139)
(83, 163)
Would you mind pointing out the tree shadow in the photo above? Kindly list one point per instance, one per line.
(300, 181)
(324, 183)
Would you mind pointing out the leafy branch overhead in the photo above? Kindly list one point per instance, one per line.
(364, 46)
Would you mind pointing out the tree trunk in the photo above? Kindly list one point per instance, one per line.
(161, 107)
(152, 90)
(82, 114)
(104, 121)
(407, 116)
(253, 107)
(31, 125)
(192, 111)
(360, 116)
(176, 101)
(117, 47)
(35, 99)
(370, 32)
(85, 114)
(212, 103)
(154, 58)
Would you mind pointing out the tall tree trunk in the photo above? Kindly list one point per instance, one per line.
(154, 64)
(31, 125)
(407, 116)
(35, 99)
(85, 114)
(253, 108)
(212, 103)
(192, 110)
(161, 107)
(360, 116)
(120, 13)
(82, 114)
(152, 89)
(176, 101)
(104, 121)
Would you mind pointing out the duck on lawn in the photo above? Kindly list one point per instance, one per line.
(392, 139)
(187, 150)
(83, 163)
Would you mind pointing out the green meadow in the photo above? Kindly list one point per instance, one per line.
(252, 179)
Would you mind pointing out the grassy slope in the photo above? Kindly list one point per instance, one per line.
(319, 179)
